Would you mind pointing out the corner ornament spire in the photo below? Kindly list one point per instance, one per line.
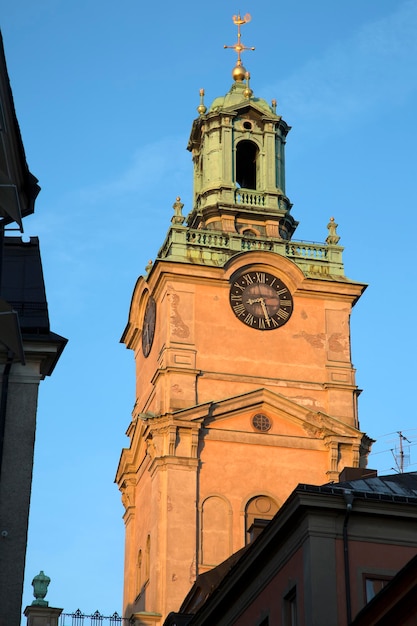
(333, 238)
(239, 71)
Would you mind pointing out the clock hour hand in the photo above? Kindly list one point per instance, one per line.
(263, 307)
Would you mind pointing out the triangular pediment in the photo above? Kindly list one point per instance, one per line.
(286, 416)
(254, 107)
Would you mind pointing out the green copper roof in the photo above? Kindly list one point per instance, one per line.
(235, 96)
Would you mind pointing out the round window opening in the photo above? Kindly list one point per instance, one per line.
(261, 422)
(247, 125)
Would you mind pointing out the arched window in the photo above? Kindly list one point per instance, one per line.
(250, 232)
(246, 164)
(259, 507)
(215, 530)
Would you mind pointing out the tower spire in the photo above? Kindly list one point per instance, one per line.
(239, 71)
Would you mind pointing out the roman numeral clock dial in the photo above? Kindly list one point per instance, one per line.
(148, 330)
(260, 300)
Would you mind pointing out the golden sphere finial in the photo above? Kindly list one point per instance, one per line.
(248, 93)
(238, 73)
(201, 109)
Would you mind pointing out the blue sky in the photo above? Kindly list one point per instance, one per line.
(105, 94)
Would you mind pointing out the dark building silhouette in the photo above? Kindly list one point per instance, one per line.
(29, 351)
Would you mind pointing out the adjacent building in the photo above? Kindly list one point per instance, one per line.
(323, 560)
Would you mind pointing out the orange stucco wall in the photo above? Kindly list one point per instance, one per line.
(192, 437)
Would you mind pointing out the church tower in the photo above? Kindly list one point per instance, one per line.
(244, 380)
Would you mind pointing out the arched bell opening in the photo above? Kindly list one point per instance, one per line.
(247, 154)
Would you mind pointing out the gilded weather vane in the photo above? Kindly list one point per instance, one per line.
(239, 73)
(238, 47)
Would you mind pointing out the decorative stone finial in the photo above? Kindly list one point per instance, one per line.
(201, 107)
(148, 266)
(239, 71)
(274, 105)
(178, 217)
(332, 238)
(40, 588)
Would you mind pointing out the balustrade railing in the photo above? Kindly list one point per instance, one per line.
(251, 198)
(303, 249)
(226, 243)
(314, 251)
(206, 238)
(257, 244)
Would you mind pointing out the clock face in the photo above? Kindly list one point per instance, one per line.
(260, 300)
(148, 330)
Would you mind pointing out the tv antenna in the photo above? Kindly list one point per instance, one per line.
(401, 453)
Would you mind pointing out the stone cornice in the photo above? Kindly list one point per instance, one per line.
(173, 462)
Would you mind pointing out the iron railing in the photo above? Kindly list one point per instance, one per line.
(95, 619)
